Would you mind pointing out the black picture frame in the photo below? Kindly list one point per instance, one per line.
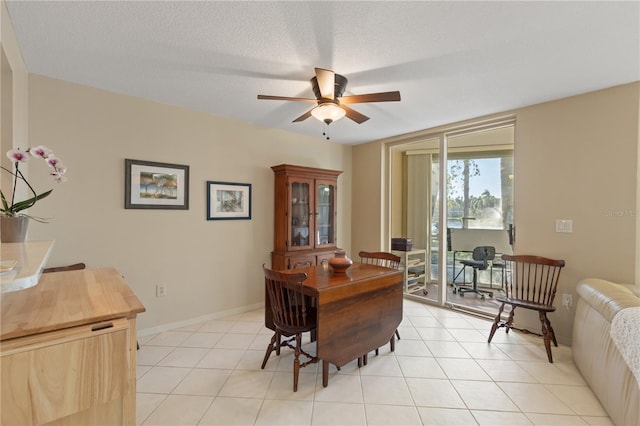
(153, 185)
(228, 201)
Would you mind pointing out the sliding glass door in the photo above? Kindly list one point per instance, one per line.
(476, 174)
(479, 214)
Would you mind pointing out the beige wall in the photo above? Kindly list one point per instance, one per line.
(367, 231)
(208, 266)
(13, 97)
(575, 158)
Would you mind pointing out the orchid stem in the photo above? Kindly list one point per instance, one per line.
(18, 174)
(30, 187)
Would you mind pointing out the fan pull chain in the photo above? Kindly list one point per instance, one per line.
(326, 131)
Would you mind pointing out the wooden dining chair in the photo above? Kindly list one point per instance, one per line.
(380, 258)
(531, 283)
(388, 260)
(292, 316)
(74, 267)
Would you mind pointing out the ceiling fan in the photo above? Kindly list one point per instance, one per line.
(331, 105)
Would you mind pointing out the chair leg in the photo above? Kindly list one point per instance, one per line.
(474, 288)
(496, 321)
(546, 335)
(270, 348)
(509, 322)
(296, 362)
(551, 332)
(392, 342)
(474, 285)
(278, 339)
(397, 334)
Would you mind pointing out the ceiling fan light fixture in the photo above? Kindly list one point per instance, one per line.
(328, 112)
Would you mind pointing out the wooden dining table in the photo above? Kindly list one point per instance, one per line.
(358, 311)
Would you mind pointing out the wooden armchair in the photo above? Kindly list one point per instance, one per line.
(531, 283)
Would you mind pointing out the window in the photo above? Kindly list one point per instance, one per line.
(479, 189)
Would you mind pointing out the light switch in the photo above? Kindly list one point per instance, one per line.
(564, 225)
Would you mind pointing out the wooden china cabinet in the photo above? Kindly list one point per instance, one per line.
(305, 215)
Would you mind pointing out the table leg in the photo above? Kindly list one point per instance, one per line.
(325, 373)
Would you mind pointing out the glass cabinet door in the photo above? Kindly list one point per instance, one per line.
(300, 209)
(325, 214)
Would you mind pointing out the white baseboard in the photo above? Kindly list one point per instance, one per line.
(172, 326)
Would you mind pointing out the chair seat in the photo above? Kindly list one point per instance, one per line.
(474, 263)
(525, 304)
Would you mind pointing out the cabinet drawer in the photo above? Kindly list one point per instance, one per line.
(53, 375)
(301, 261)
(324, 257)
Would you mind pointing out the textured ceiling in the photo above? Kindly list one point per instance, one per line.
(450, 60)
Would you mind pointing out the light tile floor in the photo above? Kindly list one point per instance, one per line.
(442, 373)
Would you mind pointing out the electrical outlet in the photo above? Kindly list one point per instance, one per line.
(161, 290)
(564, 225)
(567, 300)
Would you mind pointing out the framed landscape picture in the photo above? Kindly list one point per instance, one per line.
(151, 185)
(228, 200)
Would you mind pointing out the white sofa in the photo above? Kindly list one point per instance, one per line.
(606, 346)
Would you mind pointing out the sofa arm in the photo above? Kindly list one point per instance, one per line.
(595, 353)
(606, 297)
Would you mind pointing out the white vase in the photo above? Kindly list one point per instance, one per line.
(13, 229)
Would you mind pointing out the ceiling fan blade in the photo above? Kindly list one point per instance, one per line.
(286, 98)
(326, 82)
(371, 97)
(303, 116)
(354, 115)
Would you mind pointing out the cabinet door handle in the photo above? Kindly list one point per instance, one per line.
(102, 326)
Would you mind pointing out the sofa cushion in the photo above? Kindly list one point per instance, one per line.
(625, 332)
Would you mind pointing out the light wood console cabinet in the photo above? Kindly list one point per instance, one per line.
(68, 350)
(305, 215)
